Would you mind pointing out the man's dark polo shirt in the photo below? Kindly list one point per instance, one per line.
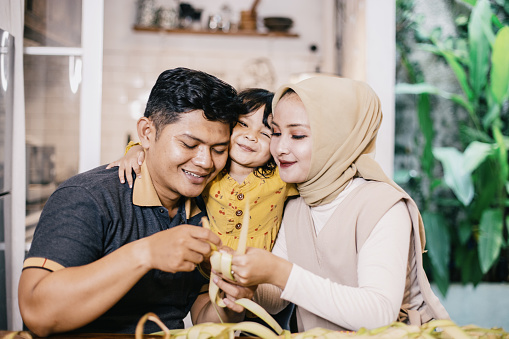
(91, 215)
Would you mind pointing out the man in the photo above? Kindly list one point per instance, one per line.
(103, 255)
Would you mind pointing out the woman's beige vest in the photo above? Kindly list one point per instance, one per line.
(334, 252)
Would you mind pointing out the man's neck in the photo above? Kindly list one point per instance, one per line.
(171, 205)
(169, 200)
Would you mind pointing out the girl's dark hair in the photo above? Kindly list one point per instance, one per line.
(253, 99)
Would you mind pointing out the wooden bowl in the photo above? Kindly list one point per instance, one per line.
(278, 24)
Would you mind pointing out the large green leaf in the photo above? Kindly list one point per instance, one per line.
(420, 88)
(441, 282)
(475, 154)
(460, 51)
(472, 134)
(470, 2)
(493, 110)
(502, 154)
(468, 261)
(429, 48)
(454, 62)
(500, 66)
(490, 237)
(479, 46)
(460, 73)
(496, 20)
(488, 18)
(507, 219)
(426, 126)
(456, 176)
(425, 88)
(488, 186)
(464, 232)
(438, 243)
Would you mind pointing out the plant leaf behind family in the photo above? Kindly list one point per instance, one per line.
(475, 240)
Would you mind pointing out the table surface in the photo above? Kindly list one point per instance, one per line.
(83, 336)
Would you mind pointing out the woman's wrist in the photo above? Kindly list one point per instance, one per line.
(282, 269)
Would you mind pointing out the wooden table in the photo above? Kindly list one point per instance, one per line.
(83, 336)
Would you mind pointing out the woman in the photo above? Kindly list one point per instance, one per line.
(349, 251)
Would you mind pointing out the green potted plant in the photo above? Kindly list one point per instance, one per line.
(467, 230)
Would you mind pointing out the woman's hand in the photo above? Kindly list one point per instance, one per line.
(130, 162)
(259, 266)
(232, 292)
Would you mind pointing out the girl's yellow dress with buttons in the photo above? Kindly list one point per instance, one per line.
(225, 201)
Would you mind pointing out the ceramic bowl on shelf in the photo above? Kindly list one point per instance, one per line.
(278, 24)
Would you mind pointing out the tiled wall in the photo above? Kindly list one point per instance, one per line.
(133, 60)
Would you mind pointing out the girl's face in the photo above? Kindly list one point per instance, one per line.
(250, 140)
(291, 143)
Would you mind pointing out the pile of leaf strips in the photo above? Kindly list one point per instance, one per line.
(443, 329)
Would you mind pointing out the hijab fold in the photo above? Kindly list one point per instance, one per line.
(345, 116)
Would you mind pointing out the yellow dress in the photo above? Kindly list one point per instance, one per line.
(225, 200)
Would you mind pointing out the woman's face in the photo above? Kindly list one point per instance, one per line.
(291, 143)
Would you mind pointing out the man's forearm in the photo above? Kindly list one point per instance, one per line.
(70, 298)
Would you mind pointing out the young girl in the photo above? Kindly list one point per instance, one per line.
(349, 252)
(251, 173)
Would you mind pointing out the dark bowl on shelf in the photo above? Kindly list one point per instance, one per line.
(278, 24)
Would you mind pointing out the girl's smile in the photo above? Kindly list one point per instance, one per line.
(245, 148)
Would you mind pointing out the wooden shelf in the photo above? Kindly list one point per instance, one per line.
(216, 33)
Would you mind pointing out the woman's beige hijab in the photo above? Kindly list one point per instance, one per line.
(345, 116)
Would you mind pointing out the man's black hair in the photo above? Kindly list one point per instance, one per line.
(182, 90)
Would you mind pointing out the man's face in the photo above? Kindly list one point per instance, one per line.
(187, 155)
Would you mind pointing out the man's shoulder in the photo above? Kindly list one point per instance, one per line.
(94, 177)
(99, 179)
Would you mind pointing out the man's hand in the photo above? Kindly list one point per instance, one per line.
(233, 292)
(180, 248)
(204, 311)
